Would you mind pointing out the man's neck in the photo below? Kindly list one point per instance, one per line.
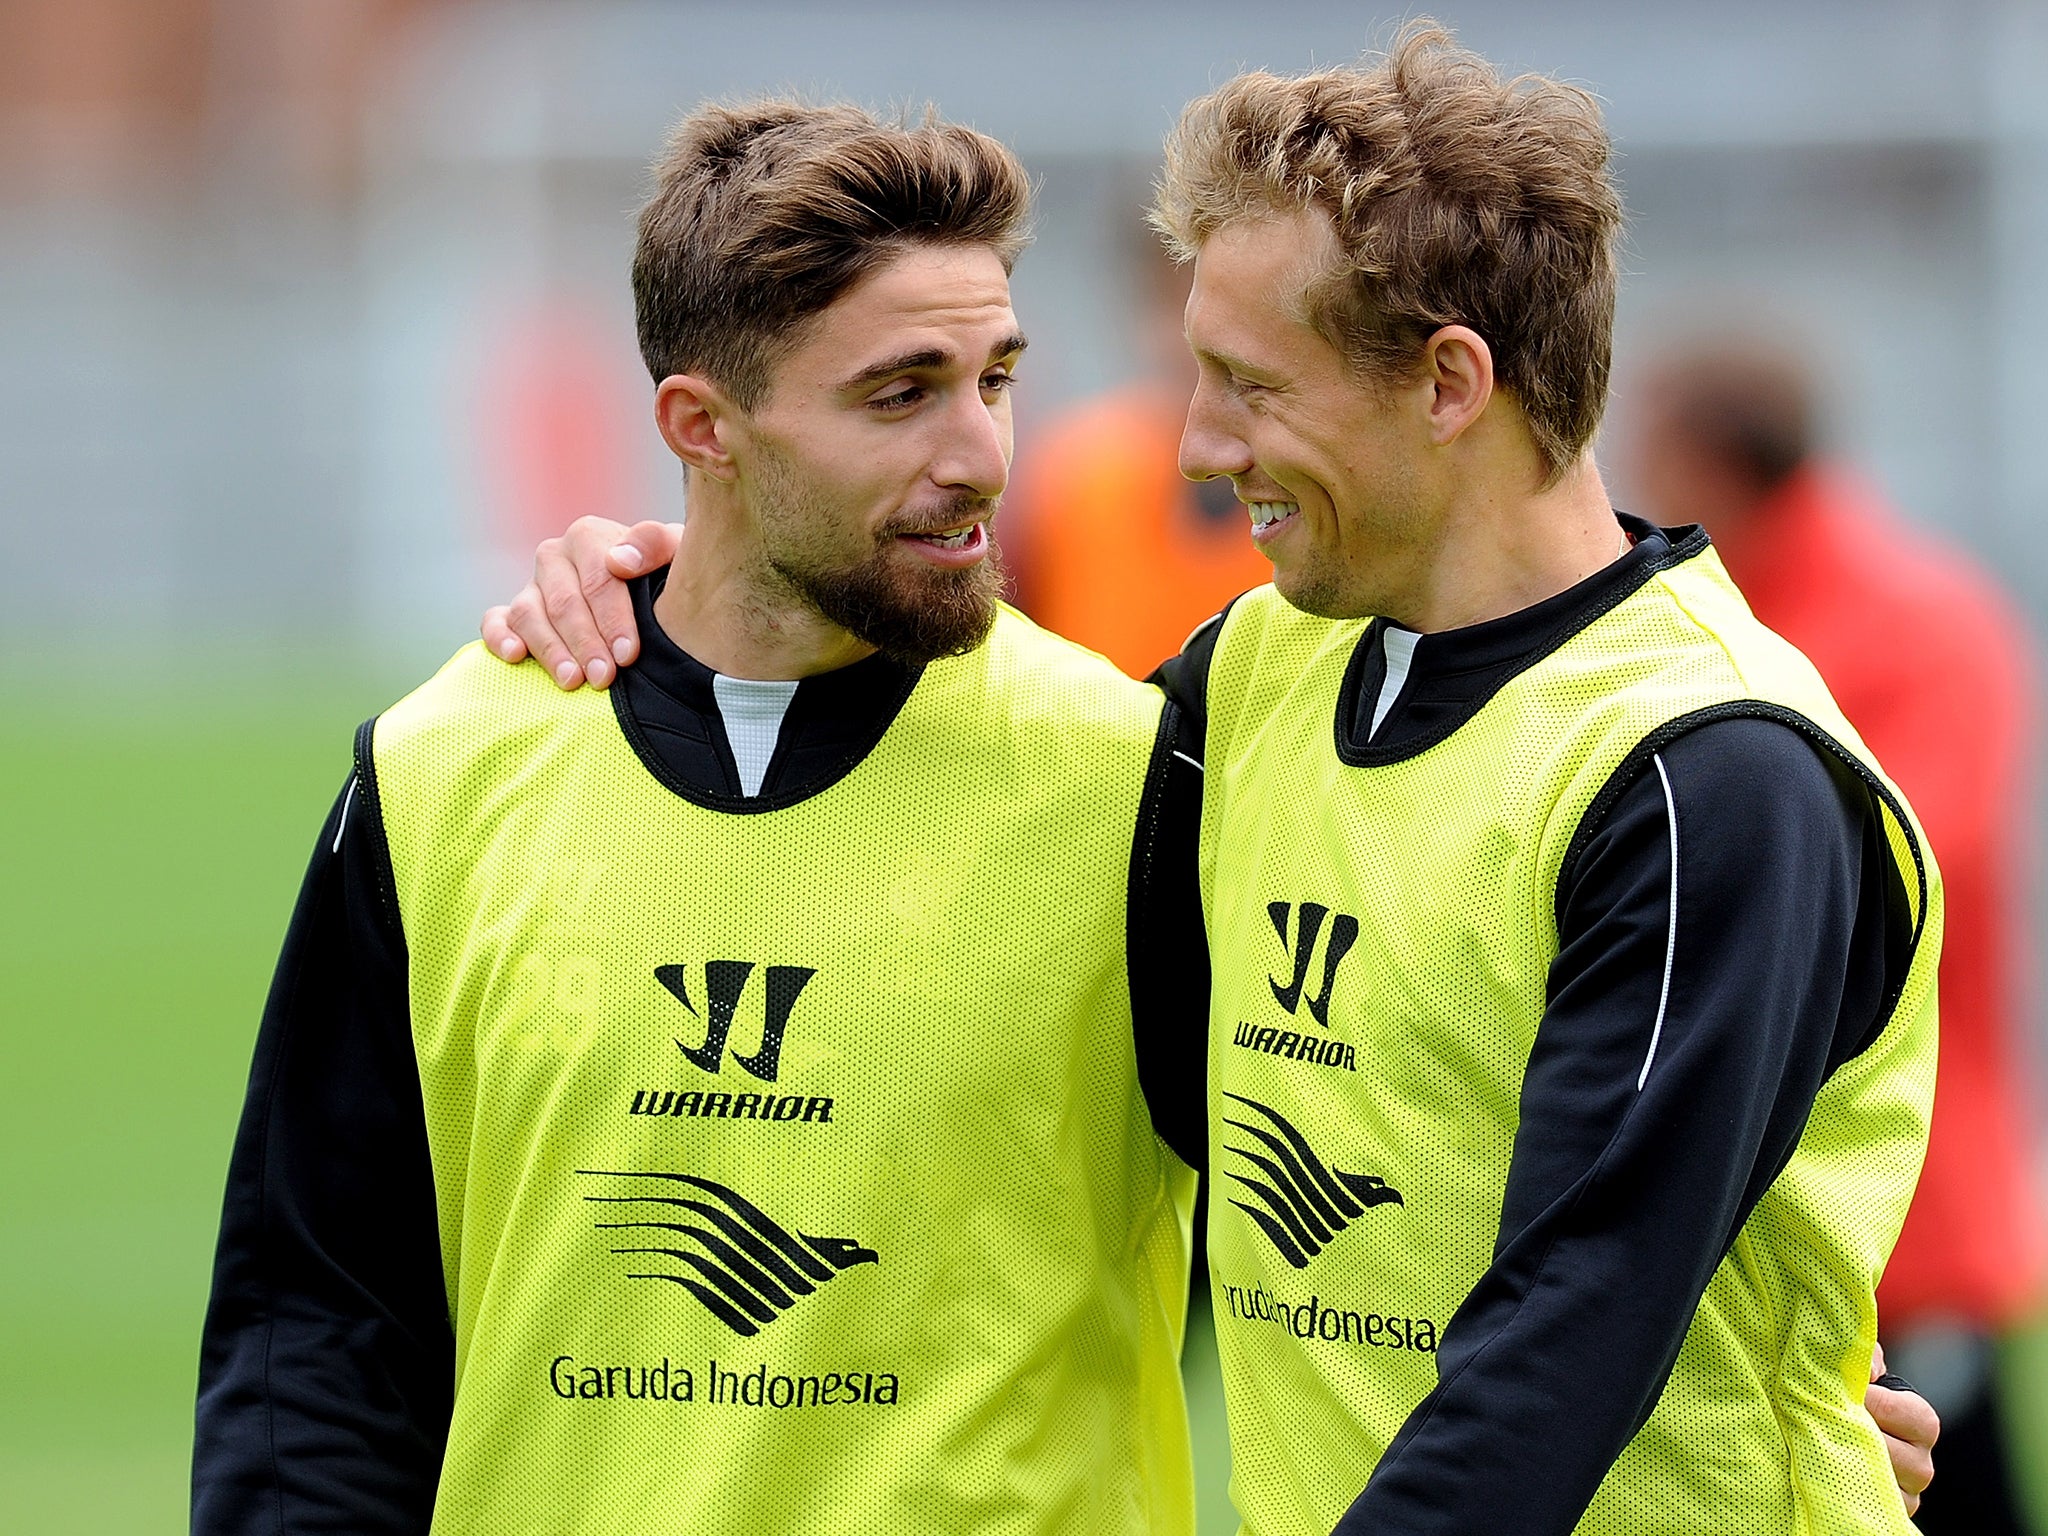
(1502, 552)
(724, 606)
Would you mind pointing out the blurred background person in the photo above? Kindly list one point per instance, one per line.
(1107, 543)
(1933, 666)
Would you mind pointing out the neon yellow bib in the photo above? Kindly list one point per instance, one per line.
(1432, 880)
(792, 1167)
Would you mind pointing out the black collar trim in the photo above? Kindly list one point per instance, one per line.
(1455, 672)
(670, 717)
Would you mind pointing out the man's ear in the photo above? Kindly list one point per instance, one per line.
(1457, 365)
(696, 418)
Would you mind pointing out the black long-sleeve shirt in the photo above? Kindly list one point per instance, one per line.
(327, 1364)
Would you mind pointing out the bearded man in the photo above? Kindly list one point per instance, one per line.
(722, 1105)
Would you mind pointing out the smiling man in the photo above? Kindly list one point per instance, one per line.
(1627, 942)
(721, 1105)
(1572, 1034)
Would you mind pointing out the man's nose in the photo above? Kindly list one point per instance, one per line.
(1208, 447)
(977, 452)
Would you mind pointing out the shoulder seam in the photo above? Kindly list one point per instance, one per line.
(1638, 758)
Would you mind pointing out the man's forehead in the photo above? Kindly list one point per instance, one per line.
(935, 303)
(1249, 281)
(929, 285)
(1267, 257)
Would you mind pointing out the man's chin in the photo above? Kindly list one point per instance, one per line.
(917, 648)
(1315, 593)
(915, 617)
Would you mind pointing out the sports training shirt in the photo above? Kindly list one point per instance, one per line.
(1345, 1041)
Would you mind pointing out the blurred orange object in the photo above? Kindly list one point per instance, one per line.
(1111, 547)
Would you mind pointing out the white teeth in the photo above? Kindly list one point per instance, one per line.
(952, 540)
(1266, 513)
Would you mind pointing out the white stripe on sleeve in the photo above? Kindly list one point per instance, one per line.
(1671, 927)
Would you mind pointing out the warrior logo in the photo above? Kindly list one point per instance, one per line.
(1305, 1202)
(751, 1268)
(724, 981)
(1309, 924)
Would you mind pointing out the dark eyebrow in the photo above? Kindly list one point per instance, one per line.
(926, 357)
(903, 362)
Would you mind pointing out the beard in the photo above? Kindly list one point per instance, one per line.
(911, 612)
(911, 616)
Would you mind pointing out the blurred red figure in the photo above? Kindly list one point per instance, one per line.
(554, 423)
(1931, 664)
(1108, 545)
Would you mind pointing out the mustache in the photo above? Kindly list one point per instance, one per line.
(949, 514)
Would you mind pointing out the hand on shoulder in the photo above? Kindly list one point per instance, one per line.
(575, 617)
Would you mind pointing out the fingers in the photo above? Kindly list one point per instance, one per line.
(499, 637)
(1906, 1417)
(527, 620)
(576, 616)
(565, 581)
(1876, 1361)
(1910, 1428)
(586, 601)
(1912, 1470)
(643, 547)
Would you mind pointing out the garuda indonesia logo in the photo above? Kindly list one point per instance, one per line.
(745, 1267)
(1303, 1201)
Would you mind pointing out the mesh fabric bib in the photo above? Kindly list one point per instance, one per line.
(792, 1167)
(1377, 1092)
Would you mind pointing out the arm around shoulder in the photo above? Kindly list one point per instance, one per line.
(1714, 967)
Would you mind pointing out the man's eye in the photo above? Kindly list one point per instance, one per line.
(897, 400)
(996, 383)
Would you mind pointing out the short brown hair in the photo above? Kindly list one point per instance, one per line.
(765, 213)
(1457, 198)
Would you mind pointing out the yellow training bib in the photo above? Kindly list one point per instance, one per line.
(792, 1166)
(1381, 937)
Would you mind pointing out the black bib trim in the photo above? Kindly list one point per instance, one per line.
(1456, 672)
(670, 717)
(1903, 930)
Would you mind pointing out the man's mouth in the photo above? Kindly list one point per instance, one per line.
(1265, 514)
(958, 538)
(961, 544)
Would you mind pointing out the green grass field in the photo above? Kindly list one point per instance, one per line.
(151, 850)
(150, 847)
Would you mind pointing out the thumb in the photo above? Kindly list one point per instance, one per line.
(644, 547)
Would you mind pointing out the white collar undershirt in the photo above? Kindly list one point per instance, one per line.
(752, 711)
(1399, 645)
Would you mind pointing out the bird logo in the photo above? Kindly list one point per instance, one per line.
(1303, 1202)
(744, 1266)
